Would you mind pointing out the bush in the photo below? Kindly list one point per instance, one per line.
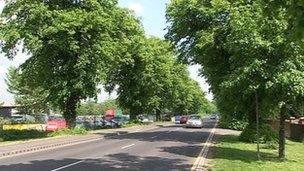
(62, 132)
(12, 135)
(131, 123)
(234, 124)
(2, 122)
(267, 135)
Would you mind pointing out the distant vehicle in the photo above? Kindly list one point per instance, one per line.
(110, 124)
(55, 123)
(166, 117)
(183, 119)
(20, 118)
(177, 119)
(120, 120)
(145, 118)
(194, 121)
(214, 116)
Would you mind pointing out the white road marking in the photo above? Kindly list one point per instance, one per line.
(153, 137)
(128, 146)
(69, 165)
(201, 159)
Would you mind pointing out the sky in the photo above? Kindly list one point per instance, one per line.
(152, 16)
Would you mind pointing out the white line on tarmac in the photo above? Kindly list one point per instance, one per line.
(201, 159)
(128, 146)
(153, 137)
(69, 165)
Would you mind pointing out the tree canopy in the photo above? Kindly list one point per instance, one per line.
(245, 48)
(71, 44)
(154, 81)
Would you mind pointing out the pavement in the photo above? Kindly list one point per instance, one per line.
(171, 147)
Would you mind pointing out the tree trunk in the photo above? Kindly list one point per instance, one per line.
(257, 125)
(282, 136)
(133, 114)
(70, 112)
(158, 112)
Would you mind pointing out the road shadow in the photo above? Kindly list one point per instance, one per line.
(113, 162)
(187, 150)
(183, 136)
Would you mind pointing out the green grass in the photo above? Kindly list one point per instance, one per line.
(232, 155)
(63, 132)
(17, 135)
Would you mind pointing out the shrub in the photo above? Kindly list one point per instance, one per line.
(75, 131)
(131, 123)
(2, 122)
(267, 135)
(12, 135)
(234, 124)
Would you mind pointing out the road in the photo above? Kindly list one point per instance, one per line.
(165, 148)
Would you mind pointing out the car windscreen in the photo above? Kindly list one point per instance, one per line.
(194, 117)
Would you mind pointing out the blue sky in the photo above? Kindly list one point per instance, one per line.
(152, 15)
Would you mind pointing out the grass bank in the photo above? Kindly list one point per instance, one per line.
(19, 135)
(232, 155)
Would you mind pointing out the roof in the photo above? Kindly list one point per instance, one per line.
(9, 104)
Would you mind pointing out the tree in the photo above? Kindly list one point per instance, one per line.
(32, 101)
(154, 81)
(144, 80)
(72, 45)
(187, 96)
(247, 48)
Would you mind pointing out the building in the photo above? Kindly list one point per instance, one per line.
(7, 109)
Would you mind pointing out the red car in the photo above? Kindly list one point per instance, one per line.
(183, 119)
(55, 125)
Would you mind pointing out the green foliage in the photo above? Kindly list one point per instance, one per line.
(267, 134)
(154, 81)
(63, 132)
(232, 123)
(13, 135)
(247, 49)
(72, 45)
(89, 108)
(2, 122)
(132, 123)
(33, 101)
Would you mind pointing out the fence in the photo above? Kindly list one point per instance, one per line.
(294, 128)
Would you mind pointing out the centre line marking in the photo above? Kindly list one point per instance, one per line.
(128, 146)
(69, 165)
(202, 157)
(153, 137)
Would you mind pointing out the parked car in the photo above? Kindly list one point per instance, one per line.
(214, 116)
(177, 119)
(21, 118)
(145, 118)
(183, 119)
(55, 123)
(194, 121)
(110, 124)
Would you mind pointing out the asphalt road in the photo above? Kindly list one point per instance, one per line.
(161, 149)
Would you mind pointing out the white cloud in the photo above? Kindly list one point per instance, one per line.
(136, 7)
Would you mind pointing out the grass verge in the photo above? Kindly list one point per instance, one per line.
(232, 155)
(17, 135)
